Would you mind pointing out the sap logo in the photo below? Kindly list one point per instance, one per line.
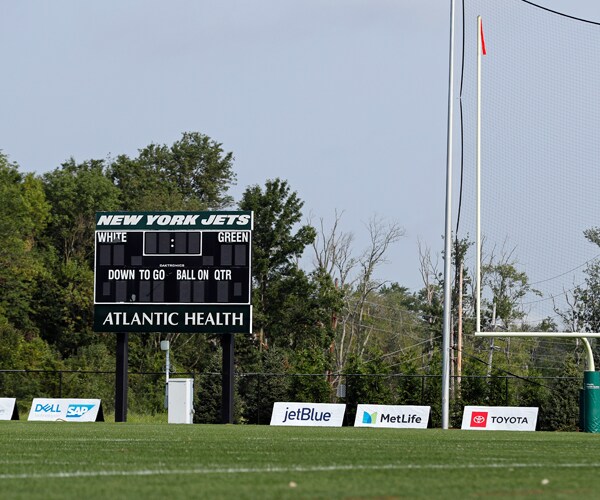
(369, 418)
(77, 411)
(221, 220)
(47, 408)
(479, 419)
(306, 414)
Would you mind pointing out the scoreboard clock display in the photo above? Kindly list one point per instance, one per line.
(173, 271)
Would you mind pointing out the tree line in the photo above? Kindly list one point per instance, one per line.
(330, 331)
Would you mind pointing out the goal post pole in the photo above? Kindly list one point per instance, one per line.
(478, 184)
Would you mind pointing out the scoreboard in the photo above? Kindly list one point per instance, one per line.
(173, 272)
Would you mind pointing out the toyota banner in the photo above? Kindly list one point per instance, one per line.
(499, 418)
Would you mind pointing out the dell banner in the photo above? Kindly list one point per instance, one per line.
(8, 409)
(499, 418)
(401, 417)
(308, 414)
(66, 410)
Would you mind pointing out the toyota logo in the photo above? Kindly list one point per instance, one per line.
(478, 419)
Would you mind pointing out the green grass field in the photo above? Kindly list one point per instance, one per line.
(139, 460)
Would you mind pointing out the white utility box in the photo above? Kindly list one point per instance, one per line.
(181, 400)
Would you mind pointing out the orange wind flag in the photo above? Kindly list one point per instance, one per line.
(482, 41)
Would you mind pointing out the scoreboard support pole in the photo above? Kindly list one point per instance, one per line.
(228, 378)
(121, 378)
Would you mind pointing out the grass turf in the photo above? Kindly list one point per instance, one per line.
(139, 460)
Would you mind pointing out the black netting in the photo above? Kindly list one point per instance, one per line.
(540, 143)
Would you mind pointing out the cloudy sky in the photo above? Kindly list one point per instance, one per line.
(346, 99)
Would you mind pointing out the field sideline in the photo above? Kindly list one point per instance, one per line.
(108, 460)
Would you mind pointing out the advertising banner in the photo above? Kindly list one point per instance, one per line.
(499, 418)
(8, 409)
(401, 417)
(66, 410)
(308, 414)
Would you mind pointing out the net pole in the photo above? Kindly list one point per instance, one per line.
(448, 237)
(478, 183)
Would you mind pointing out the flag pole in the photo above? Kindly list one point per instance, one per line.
(448, 237)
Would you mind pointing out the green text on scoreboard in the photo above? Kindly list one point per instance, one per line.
(173, 272)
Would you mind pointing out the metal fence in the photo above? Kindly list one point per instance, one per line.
(256, 392)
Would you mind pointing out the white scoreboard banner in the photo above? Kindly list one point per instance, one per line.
(401, 417)
(8, 409)
(68, 410)
(308, 414)
(499, 418)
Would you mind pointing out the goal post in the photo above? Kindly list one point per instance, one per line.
(481, 51)
(528, 152)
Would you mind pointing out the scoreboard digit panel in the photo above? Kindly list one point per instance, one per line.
(173, 267)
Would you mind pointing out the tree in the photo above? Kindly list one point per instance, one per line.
(333, 250)
(399, 332)
(19, 352)
(584, 301)
(560, 411)
(23, 216)
(299, 310)
(193, 174)
(266, 381)
(293, 309)
(276, 246)
(507, 285)
(64, 300)
(355, 328)
(76, 192)
(365, 383)
(431, 299)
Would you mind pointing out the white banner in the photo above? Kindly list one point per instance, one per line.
(69, 410)
(401, 417)
(499, 418)
(8, 409)
(308, 414)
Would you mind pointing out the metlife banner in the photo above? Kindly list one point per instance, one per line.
(499, 418)
(8, 409)
(401, 417)
(308, 414)
(66, 410)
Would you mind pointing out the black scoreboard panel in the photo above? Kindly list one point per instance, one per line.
(172, 267)
(172, 243)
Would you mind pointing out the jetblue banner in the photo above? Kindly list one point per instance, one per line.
(66, 410)
(401, 417)
(499, 418)
(8, 409)
(308, 414)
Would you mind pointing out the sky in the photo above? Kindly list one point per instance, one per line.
(345, 99)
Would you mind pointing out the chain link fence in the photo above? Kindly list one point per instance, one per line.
(256, 392)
